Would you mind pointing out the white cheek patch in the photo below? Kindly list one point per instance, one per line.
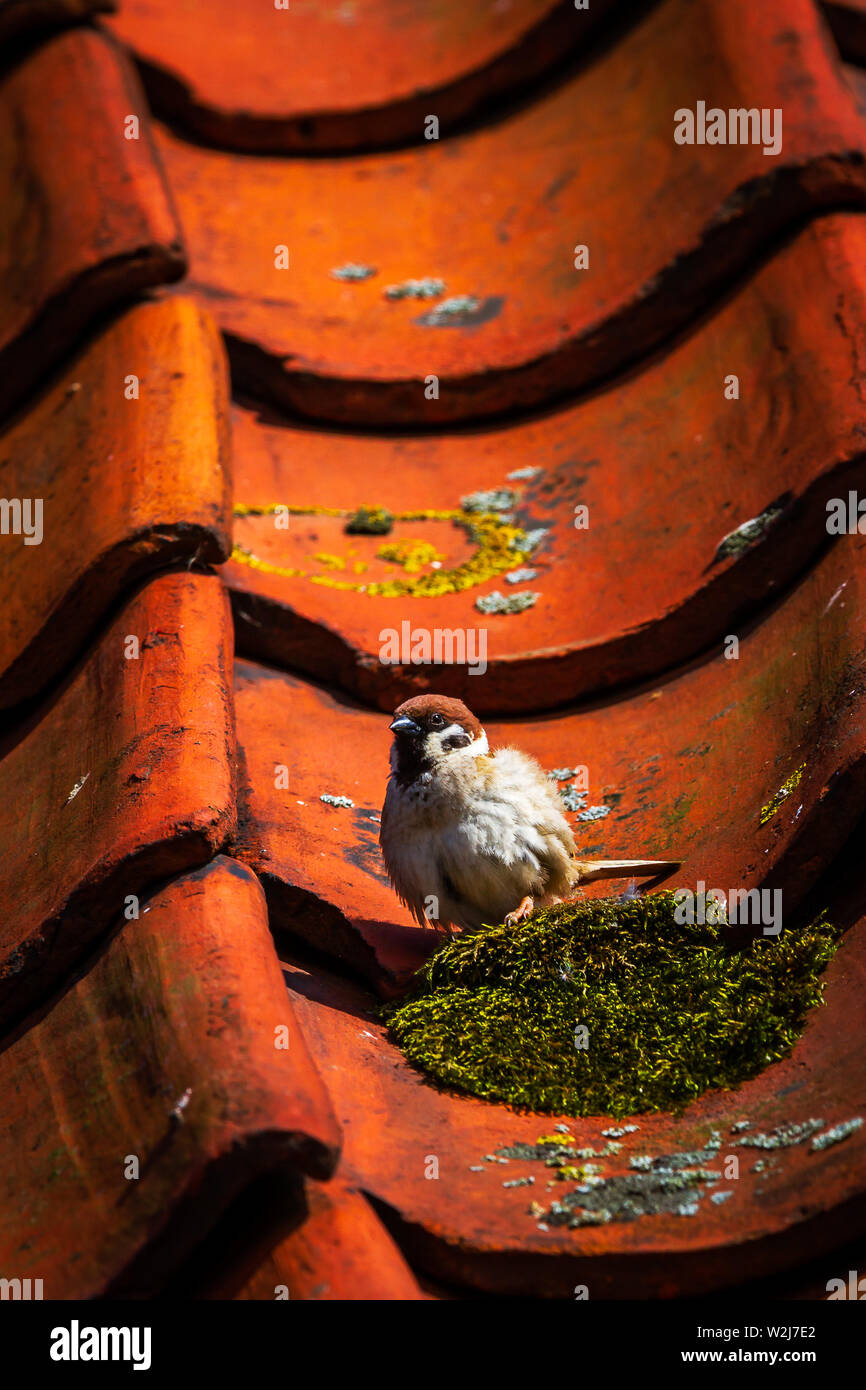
(473, 748)
(438, 741)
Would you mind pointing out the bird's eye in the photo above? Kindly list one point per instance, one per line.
(436, 721)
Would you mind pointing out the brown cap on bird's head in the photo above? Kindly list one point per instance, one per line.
(421, 711)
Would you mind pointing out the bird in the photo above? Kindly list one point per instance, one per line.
(472, 837)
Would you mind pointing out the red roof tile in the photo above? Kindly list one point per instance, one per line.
(89, 219)
(18, 17)
(686, 771)
(163, 1052)
(155, 1036)
(340, 1252)
(469, 1230)
(328, 77)
(127, 777)
(847, 20)
(657, 460)
(127, 482)
(665, 224)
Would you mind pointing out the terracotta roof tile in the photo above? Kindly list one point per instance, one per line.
(128, 483)
(666, 225)
(142, 767)
(19, 17)
(686, 771)
(637, 589)
(469, 1230)
(847, 20)
(340, 1252)
(127, 777)
(163, 1052)
(90, 219)
(326, 77)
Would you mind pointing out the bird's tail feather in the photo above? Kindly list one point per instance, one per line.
(586, 870)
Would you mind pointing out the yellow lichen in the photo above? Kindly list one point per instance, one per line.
(793, 782)
(500, 546)
(412, 555)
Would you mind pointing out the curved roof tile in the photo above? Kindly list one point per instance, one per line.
(132, 1063)
(125, 778)
(326, 77)
(88, 218)
(685, 771)
(666, 465)
(667, 226)
(127, 454)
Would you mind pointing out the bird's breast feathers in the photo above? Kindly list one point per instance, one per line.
(474, 833)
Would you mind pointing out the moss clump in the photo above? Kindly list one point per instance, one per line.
(370, 521)
(669, 1009)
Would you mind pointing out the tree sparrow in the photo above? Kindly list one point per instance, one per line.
(471, 836)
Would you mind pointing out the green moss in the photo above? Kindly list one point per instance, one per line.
(670, 1009)
(370, 521)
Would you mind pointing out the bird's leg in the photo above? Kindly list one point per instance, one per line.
(520, 913)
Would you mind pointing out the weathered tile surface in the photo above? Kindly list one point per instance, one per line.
(88, 221)
(847, 20)
(125, 778)
(468, 1229)
(163, 1052)
(127, 483)
(321, 76)
(685, 771)
(341, 1252)
(666, 224)
(664, 463)
(19, 17)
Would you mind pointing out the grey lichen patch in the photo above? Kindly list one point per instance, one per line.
(495, 499)
(595, 813)
(572, 799)
(532, 539)
(524, 576)
(519, 1182)
(352, 271)
(689, 1158)
(719, 1197)
(562, 774)
(740, 1126)
(629, 1196)
(428, 287)
(463, 311)
(519, 474)
(458, 306)
(783, 1136)
(618, 1131)
(336, 800)
(836, 1134)
(498, 603)
(747, 534)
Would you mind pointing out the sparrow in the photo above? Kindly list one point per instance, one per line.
(469, 836)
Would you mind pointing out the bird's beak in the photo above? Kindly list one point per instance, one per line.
(404, 725)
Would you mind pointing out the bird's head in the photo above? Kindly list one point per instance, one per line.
(430, 728)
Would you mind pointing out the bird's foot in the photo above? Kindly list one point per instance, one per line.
(521, 912)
